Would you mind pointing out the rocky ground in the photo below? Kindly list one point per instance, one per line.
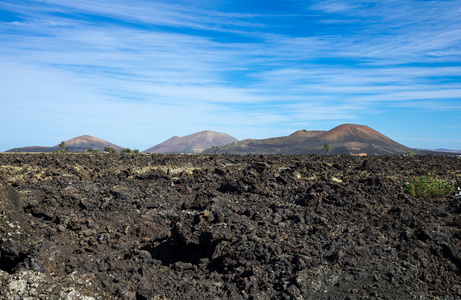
(80, 226)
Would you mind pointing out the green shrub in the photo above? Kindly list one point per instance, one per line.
(129, 151)
(91, 150)
(429, 185)
(109, 149)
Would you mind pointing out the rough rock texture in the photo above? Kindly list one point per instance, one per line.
(79, 226)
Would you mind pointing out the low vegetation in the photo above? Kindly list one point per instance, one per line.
(129, 151)
(429, 185)
(327, 148)
(110, 150)
(62, 147)
(91, 150)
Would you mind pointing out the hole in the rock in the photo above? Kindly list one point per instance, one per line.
(140, 297)
(9, 263)
(174, 250)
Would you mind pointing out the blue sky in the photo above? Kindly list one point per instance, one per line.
(137, 72)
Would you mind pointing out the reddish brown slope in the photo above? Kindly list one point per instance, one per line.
(307, 133)
(193, 143)
(77, 144)
(83, 142)
(344, 139)
(362, 139)
(355, 133)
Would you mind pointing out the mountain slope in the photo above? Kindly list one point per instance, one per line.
(193, 143)
(83, 142)
(362, 139)
(344, 139)
(77, 144)
(307, 133)
(43, 149)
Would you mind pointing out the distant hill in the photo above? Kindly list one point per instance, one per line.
(307, 133)
(362, 139)
(445, 150)
(34, 149)
(344, 139)
(193, 143)
(78, 144)
(83, 142)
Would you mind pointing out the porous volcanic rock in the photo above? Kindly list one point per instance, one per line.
(111, 226)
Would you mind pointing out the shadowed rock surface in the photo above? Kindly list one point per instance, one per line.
(79, 226)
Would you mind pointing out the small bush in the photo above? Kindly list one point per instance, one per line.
(91, 150)
(429, 185)
(129, 151)
(109, 149)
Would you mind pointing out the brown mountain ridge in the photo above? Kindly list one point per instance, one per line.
(77, 144)
(83, 142)
(344, 139)
(193, 143)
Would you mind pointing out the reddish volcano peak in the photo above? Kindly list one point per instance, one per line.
(83, 142)
(193, 143)
(353, 133)
(307, 133)
(83, 139)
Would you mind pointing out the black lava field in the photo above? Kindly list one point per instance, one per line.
(112, 226)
